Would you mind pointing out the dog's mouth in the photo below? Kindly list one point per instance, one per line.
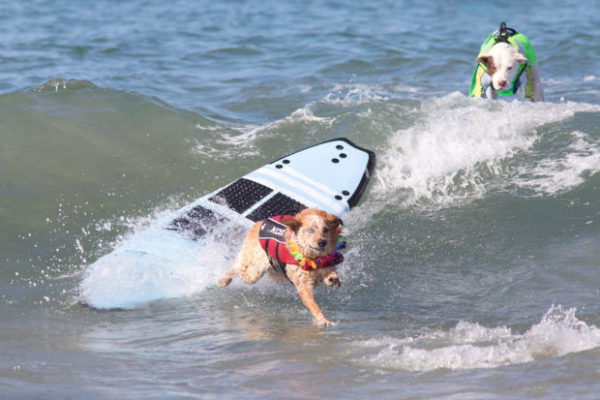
(316, 250)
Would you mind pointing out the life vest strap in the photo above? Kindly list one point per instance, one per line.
(277, 265)
(272, 240)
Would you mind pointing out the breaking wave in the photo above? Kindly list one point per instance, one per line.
(459, 147)
(470, 345)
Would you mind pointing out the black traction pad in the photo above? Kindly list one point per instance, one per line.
(241, 195)
(276, 205)
(197, 222)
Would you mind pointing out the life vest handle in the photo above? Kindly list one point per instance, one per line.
(506, 31)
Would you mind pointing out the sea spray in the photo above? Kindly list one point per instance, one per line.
(470, 345)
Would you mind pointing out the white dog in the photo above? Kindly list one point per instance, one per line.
(506, 65)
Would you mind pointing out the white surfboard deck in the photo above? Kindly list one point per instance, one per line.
(162, 261)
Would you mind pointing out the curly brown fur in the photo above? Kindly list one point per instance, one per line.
(315, 234)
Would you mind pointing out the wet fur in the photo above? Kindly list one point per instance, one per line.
(252, 263)
(502, 63)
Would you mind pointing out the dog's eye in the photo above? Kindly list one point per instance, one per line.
(325, 230)
(509, 68)
(310, 230)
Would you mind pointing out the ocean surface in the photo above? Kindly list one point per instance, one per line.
(473, 261)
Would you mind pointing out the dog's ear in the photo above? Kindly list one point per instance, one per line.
(334, 220)
(293, 223)
(520, 58)
(486, 60)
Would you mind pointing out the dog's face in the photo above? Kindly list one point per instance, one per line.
(315, 232)
(502, 63)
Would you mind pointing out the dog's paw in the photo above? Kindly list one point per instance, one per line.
(224, 281)
(323, 322)
(333, 281)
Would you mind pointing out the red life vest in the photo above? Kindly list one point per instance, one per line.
(272, 239)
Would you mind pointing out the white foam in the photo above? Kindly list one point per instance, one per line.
(249, 133)
(470, 345)
(127, 280)
(214, 128)
(239, 139)
(457, 143)
(232, 141)
(151, 263)
(552, 175)
(353, 94)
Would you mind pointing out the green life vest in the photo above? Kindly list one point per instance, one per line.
(522, 45)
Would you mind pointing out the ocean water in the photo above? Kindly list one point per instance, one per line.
(472, 268)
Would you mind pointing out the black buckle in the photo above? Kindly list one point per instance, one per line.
(504, 33)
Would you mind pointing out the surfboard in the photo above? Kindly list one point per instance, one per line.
(162, 260)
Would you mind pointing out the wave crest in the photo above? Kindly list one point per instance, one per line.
(469, 345)
(459, 146)
(56, 84)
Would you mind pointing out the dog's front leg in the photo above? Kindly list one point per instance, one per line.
(491, 93)
(306, 294)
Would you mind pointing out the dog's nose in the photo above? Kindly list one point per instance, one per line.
(502, 83)
(322, 243)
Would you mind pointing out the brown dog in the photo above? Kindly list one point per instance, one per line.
(303, 251)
